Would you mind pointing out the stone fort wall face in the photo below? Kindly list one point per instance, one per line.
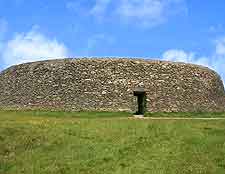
(108, 84)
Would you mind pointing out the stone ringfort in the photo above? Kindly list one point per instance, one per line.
(111, 84)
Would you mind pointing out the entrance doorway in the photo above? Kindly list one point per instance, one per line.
(141, 100)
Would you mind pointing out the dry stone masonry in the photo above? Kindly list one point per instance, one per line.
(108, 84)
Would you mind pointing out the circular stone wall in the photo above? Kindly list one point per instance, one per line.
(108, 84)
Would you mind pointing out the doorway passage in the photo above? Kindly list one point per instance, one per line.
(141, 100)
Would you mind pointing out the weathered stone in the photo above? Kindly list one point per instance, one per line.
(108, 84)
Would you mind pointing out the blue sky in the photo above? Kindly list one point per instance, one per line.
(178, 30)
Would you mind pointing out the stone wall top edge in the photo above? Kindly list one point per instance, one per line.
(112, 59)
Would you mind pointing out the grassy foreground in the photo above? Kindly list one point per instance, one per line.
(51, 142)
(188, 114)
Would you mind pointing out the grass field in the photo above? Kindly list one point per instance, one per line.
(109, 143)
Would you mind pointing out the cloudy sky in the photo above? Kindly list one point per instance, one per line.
(178, 30)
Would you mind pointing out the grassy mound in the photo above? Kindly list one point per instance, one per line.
(32, 142)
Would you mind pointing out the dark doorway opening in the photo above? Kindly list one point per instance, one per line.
(141, 100)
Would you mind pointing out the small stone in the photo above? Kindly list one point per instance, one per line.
(104, 92)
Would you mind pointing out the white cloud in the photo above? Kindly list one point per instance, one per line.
(220, 47)
(215, 62)
(141, 12)
(147, 12)
(177, 55)
(219, 57)
(31, 46)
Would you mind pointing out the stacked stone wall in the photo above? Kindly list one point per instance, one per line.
(108, 84)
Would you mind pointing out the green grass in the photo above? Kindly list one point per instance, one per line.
(92, 114)
(187, 114)
(59, 142)
(63, 114)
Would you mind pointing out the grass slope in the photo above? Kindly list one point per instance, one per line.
(32, 142)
